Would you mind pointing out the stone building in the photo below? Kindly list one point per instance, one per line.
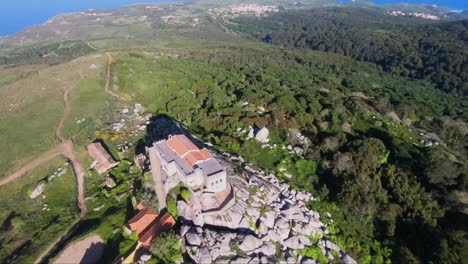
(183, 161)
(179, 160)
(102, 159)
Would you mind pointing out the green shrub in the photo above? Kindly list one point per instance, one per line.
(166, 248)
(314, 253)
(172, 207)
(185, 193)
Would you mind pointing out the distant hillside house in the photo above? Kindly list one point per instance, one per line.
(102, 160)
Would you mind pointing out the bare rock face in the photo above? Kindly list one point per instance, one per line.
(266, 214)
(348, 260)
(269, 219)
(193, 239)
(262, 135)
(253, 212)
(37, 191)
(250, 243)
(204, 256)
(184, 210)
(268, 249)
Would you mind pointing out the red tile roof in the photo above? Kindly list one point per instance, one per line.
(193, 157)
(141, 221)
(181, 144)
(160, 225)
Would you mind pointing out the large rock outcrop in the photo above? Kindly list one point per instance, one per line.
(268, 221)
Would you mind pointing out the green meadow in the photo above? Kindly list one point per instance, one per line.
(29, 226)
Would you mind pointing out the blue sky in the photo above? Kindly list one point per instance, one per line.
(15, 15)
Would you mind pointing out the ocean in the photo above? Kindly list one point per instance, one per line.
(452, 4)
(18, 14)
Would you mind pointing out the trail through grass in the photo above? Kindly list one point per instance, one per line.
(31, 224)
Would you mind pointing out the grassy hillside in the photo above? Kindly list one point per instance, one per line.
(32, 108)
(28, 228)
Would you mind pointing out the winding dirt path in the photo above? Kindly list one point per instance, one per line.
(67, 146)
(108, 75)
(33, 164)
(65, 149)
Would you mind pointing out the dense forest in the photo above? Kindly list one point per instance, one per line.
(392, 197)
(409, 47)
(375, 104)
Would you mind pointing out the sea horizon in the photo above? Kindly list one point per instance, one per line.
(21, 14)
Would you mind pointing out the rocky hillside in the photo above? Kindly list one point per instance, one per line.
(268, 222)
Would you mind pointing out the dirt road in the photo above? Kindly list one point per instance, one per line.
(108, 75)
(63, 118)
(79, 172)
(68, 152)
(65, 149)
(78, 169)
(88, 250)
(33, 164)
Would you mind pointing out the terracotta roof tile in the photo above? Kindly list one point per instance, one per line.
(181, 144)
(142, 220)
(195, 156)
(162, 224)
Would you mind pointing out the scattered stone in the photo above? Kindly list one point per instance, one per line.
(308, 261)
(262, 135)
(251, 134)
(253, 212)
(145, 257)
(297, 242)
(98, 208)
(110, 183)
(37, 191)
